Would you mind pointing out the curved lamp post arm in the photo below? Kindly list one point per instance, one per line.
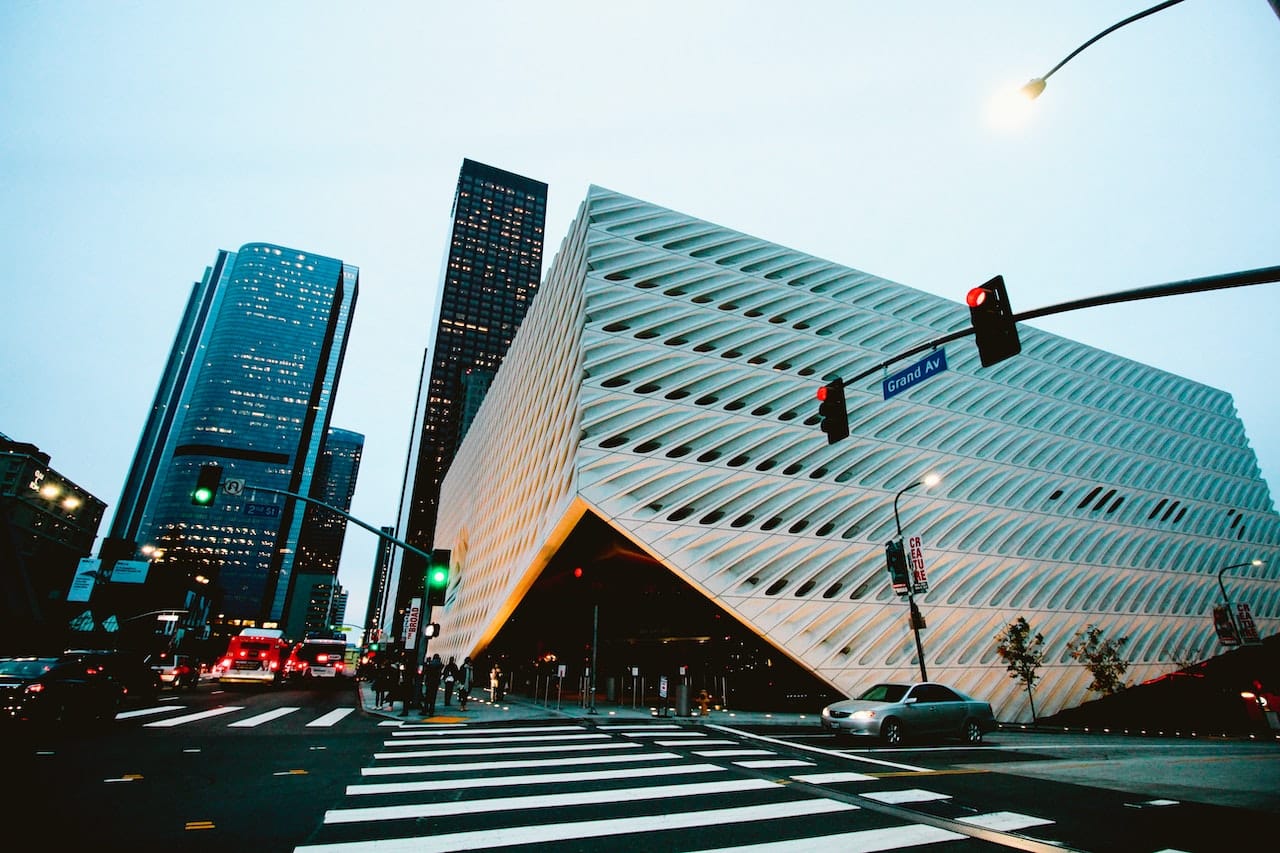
(896, 521)
(1036, 85)
(1222, 588)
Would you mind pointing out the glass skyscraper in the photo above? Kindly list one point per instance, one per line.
(490, 277)
(248, 386)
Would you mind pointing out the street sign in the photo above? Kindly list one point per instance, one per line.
(1248, 630)
(233, 486)
(915, 558)
(411, 623)
(926, 368)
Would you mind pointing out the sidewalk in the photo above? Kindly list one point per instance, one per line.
(481, 709)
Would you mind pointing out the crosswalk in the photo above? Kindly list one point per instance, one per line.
(170, 716)
(623, 787)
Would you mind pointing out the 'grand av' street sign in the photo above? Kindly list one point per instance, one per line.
(927, 367)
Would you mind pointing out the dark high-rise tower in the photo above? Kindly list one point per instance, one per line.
(490, 277)
(319, 547)
(249, 386)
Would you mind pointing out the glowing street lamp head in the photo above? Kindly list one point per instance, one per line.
(1032, 89)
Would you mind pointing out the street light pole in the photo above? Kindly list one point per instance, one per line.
(1222, 588)
(911, 599)
(1033, 88)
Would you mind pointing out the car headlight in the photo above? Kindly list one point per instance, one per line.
(863, 715)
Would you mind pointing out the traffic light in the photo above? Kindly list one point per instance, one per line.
(207, 484)
(432, 630)
(994, 329)
(896, 559)
(832, 411)
(437, 578)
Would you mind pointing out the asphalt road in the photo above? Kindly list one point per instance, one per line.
(323, 771)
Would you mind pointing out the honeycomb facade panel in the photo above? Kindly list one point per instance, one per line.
(664, 380)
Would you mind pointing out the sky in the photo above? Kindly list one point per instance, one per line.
(139, 138)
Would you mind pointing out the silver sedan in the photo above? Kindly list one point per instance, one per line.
(892, 712)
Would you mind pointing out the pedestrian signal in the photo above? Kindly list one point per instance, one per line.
(896, 562)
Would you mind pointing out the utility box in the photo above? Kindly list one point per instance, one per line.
(682, 700)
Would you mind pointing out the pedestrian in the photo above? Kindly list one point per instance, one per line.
(431, 684)
(495, 683)
(466, 674)
(450, 676)
(383, 682)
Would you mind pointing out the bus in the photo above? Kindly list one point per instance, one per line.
(254, 656)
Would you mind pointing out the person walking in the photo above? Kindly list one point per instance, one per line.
(450, 677)
(466, 675)
(495, 683)
(431, 684)
(384, 679)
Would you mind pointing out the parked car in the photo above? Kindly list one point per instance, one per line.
(51, 690)
(130, 670)
(892, 712)
(176, 671)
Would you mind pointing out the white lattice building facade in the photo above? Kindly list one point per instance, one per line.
(664, 381)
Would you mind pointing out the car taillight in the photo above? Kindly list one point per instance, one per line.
(35, 688)
(338, 666)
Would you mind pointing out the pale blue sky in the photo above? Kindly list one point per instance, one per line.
(138, 138)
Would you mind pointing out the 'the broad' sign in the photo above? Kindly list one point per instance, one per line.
(932, 364)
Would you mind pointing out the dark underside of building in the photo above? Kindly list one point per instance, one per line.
(647, 623)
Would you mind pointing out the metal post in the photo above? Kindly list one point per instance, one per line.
(595, 623)
(911, 601)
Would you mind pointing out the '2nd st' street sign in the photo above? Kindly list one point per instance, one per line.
(927, 367)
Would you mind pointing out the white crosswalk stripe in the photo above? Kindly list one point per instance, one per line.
(191, 718)
(529, 763)
(259, 719)
(327, 719)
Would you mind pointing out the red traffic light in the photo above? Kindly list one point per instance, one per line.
(833, 414)
(974, 298)
(577, 573)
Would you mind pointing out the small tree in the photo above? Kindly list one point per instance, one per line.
(1022, 654)
(1101, 657)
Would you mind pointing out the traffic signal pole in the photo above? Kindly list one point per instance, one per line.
(1265, 275)
(424, 617)
(375, 531)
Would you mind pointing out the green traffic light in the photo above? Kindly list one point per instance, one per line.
(203, 495)
(438, 577)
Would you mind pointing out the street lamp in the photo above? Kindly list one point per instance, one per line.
(1223, 589)
(1036, 85)
(928, 481)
